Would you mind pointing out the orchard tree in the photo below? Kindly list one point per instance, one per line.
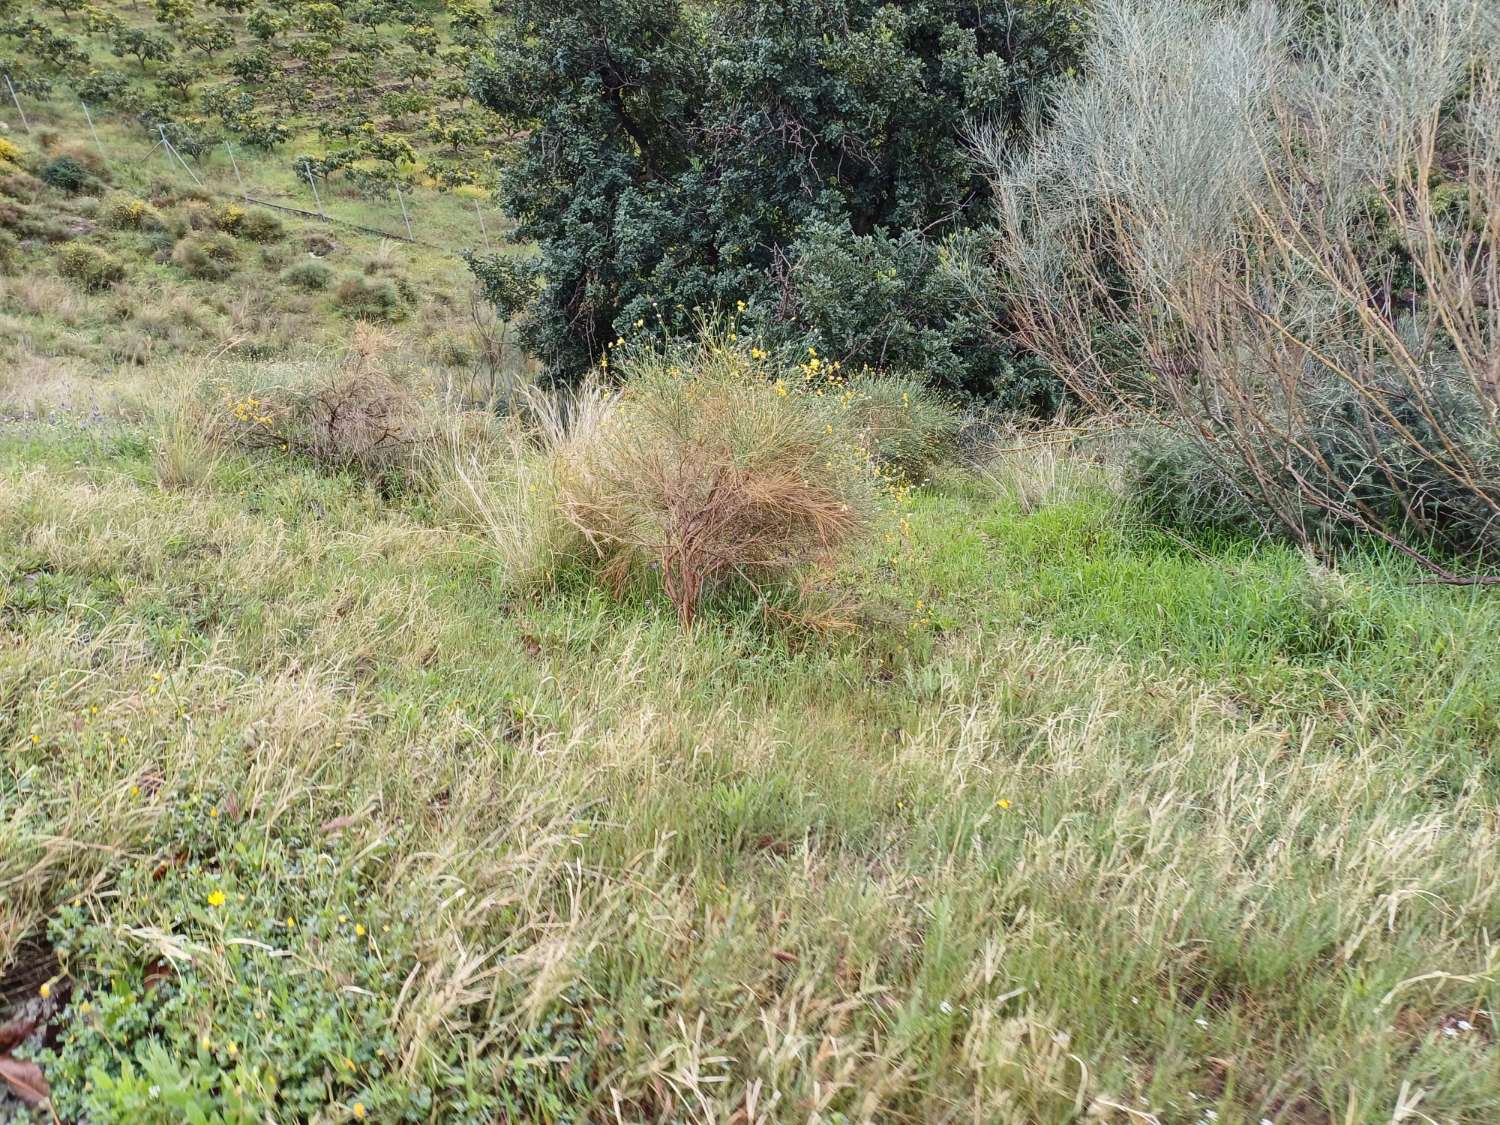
(467, 22)
(101, 21)
(255, 67)
(423, 39)
(458, 132)
(266, 24)
(320, 18)
(146, 46)
(683, 157)
(386, 147)
(102, 87)
(173, 13)
(40, 44)
(208, 36)
(177, 77)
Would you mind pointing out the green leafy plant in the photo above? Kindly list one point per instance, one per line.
(90, 267)
(681, 159)
(67, 173)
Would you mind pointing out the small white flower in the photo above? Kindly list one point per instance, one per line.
(1201, 1022)
(1451, 1032)
(1465, 1025)
(946, 1008)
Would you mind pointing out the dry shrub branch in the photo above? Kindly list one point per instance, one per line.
(1288, 237)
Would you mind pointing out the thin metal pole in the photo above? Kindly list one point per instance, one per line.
(400, 199)
(171, 148)
(90, 117)
(307, 171)
(24, 123)
(482, 231)
(236, 165)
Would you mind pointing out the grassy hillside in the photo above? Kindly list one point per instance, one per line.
(370, 93)
(365, 760)
(109, 268)
(306, 815)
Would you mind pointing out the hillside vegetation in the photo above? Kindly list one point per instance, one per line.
(659, 669)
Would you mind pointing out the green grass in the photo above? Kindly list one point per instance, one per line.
(1080, 818)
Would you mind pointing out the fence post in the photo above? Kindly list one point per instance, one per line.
(172, 150)
(307, 171)
(482, 231)
(24, 123)
(236, 165)
(90, 118)
(401, 199)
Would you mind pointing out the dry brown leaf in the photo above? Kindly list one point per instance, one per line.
(25, 1079)
(14, 1031)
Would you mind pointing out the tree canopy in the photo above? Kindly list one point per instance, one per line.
(808, 159)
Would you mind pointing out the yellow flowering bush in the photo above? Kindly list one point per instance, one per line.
(130, 213)
(229, 217)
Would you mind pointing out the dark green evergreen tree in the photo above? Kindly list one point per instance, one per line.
(807, 158)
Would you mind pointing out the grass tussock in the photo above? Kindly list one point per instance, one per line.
(906, 426)
(707, 472)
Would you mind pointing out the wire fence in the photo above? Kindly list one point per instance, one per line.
(210, 169)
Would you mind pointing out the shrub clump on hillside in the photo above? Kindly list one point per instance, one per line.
(308, 276)
(69, 173)
(206, 257)
(1426, 466)
(358, 417)
(906, 426)
(132, 214)
(1291, 255)
(709, 473)
(248, 223)
(362, 299)
(89, 267)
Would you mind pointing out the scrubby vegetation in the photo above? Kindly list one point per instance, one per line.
(949, 581)
(1314, 307)
(372, 94)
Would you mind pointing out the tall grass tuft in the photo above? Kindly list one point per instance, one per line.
(906, 426)
(708, 473)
